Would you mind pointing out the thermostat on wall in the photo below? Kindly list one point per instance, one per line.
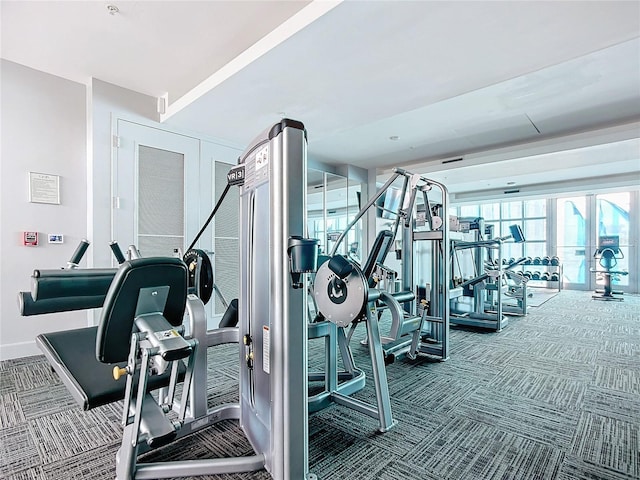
(56, 238)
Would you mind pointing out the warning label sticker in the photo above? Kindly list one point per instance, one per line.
(163, 335)
(262, 158)
(266, 348)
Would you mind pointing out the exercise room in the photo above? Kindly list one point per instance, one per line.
(320, 240)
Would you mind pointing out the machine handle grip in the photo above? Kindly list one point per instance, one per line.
(340, 266)
(117, 252)
(79, 253)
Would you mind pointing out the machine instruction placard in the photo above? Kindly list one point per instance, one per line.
(255, 173)
(262, 157)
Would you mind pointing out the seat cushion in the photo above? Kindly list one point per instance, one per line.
(72, 353)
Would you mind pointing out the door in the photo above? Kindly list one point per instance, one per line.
(613, 220)
(573, 242)
(581, 222)
(156, 189)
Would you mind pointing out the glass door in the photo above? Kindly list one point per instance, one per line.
(612, 220)
(572, 242)
(581, 223)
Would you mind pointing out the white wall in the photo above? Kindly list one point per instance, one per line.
(43, 130)
(51, 125)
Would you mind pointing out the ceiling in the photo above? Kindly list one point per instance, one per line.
(377, 83)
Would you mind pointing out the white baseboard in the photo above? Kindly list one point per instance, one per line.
(18, 350)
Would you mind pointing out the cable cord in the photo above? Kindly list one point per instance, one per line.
(206, 224)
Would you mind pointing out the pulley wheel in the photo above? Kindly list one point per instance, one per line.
(202, 283)
(340, 300)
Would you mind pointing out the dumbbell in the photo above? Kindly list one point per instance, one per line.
(504, 261)
(555, 277)
(537, 261)
(555, 261)
(535, 276)
(529, 261)
(545, 276)
(512, 260)
(546, 260)
(527, 274)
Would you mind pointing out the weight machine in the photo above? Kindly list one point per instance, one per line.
(608, 253)
(141, 325)
(347, 294)
(484, 289)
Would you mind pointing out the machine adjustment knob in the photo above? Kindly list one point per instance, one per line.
(249, 359)
(119, 372)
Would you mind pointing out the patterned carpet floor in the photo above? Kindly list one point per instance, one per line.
(555, 395)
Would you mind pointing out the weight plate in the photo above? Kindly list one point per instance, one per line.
(341, 301)
(203, 283)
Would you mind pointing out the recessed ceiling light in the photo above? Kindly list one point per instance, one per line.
(112, 9)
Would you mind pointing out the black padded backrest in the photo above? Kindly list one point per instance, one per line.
(379, 252)
(119, 310)
(230, 317)
(516, 233)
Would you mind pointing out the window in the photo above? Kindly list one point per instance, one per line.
(490, 211)
(469, 211)
(530, 215)
(535, 229)
(535, 208)
(512, 210)
(571, 228)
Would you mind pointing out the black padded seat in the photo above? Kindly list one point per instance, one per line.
(84, 358)
(72, 354)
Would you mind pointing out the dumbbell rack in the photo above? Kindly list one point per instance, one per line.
(549, 269)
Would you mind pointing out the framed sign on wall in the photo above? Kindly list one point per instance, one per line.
(44, 188)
